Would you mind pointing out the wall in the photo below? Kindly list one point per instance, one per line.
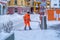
(0, 9)
(19, 10)
(10, 10)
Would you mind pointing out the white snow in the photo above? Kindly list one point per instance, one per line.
(52, 23)
(16, 19)
(35, 34)
(4, 36)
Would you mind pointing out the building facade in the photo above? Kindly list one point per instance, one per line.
(52, 4)
(55, 3)
(18, 6)
(3, 7)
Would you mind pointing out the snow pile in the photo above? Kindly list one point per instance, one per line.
(3, 35)
(35, 17)
(52, 23)
(15, 18)
(7, 18)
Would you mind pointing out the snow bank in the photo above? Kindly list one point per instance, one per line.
(52, 23)
(7, 18)
(3, 35)
(35, 17)
(15, 18)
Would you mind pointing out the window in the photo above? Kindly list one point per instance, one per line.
(15, 2)
(28, 0)
(33, 3)
(55, 4)
(16, 10)
(21, 3)
(9, 3)
(48, 2)
(28, 3)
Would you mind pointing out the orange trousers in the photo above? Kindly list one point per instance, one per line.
(27, 23)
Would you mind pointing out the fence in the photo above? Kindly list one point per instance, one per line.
(51, 14)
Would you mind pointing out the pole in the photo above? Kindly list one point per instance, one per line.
(43, 23)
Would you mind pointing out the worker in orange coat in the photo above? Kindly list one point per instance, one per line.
(27, 20)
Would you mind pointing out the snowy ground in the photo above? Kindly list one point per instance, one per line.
(36, 33)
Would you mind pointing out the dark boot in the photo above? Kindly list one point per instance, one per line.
(25, 28)
(30, 28)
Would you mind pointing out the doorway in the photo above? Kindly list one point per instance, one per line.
(31, 9)
(15, 10)
(4, 10)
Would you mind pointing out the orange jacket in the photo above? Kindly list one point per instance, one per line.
(27, 17)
